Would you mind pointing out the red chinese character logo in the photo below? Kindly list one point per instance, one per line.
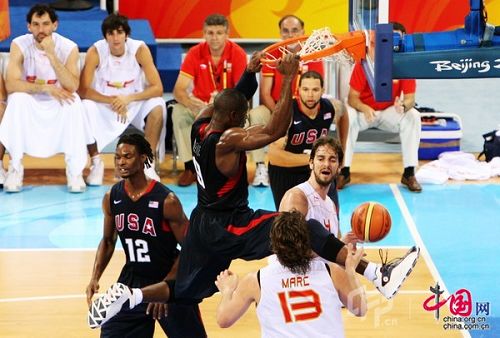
(460, 302)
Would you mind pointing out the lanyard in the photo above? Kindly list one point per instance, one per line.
(224, 75)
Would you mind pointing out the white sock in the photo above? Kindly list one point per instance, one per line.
(136, 298)
(370, 271)
(96, 159)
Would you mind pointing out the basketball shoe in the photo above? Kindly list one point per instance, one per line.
(14, 179)
(108, 305)
(391, 275)
(151, 173)
(96, 174)
(75, 183)
(261, 176)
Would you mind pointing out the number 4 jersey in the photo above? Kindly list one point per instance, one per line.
(293, 305)
(149, 243)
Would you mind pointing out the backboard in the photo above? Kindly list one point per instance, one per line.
(449, 39)
(371, 17)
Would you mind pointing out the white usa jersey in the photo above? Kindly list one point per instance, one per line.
(322, 210)
(293, 305)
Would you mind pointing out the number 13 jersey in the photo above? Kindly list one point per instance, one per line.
(293, 305)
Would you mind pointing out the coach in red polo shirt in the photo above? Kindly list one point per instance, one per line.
(209, 67)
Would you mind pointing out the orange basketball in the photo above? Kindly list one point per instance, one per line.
(371, 222)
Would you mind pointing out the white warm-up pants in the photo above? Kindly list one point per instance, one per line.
(105, 126)
(407, 124)
(40, 126)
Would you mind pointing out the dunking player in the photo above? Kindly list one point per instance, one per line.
(150, 221)
(222, 226)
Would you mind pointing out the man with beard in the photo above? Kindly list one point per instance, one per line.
(311, 197)
(312, 117)
(44, 115)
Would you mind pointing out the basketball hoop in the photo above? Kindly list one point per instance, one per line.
(321, 44)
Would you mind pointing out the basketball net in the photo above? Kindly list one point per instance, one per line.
(321, 39)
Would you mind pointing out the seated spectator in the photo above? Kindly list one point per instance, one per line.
(270, 86)
(44, 115)
(312, 118)
(120, 86)
(210, 66)
(397, 116)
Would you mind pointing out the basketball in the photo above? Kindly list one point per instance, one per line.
(371, 222)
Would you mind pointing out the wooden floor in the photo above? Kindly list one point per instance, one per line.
(42, 292)
(42, 295)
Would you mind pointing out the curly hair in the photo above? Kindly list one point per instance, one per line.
(290, 241)
(141, 144)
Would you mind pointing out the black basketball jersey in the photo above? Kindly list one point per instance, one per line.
(149, 243)
(304, 131)
(215, 190)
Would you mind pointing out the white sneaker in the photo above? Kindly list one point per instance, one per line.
(3, 176)
(261, 176)
(14, 180)
(76, 184)
(151, 173)
(96, 173)
(390, 276)
(108, 305)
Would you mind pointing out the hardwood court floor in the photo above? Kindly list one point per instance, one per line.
(49, 299)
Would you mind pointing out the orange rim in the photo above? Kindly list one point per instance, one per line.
(353, 42)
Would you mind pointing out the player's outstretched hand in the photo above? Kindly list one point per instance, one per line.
(226, 281)
(350, 237)
(289, 64)
(353, 258)
(157, 310)
(254, 65)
